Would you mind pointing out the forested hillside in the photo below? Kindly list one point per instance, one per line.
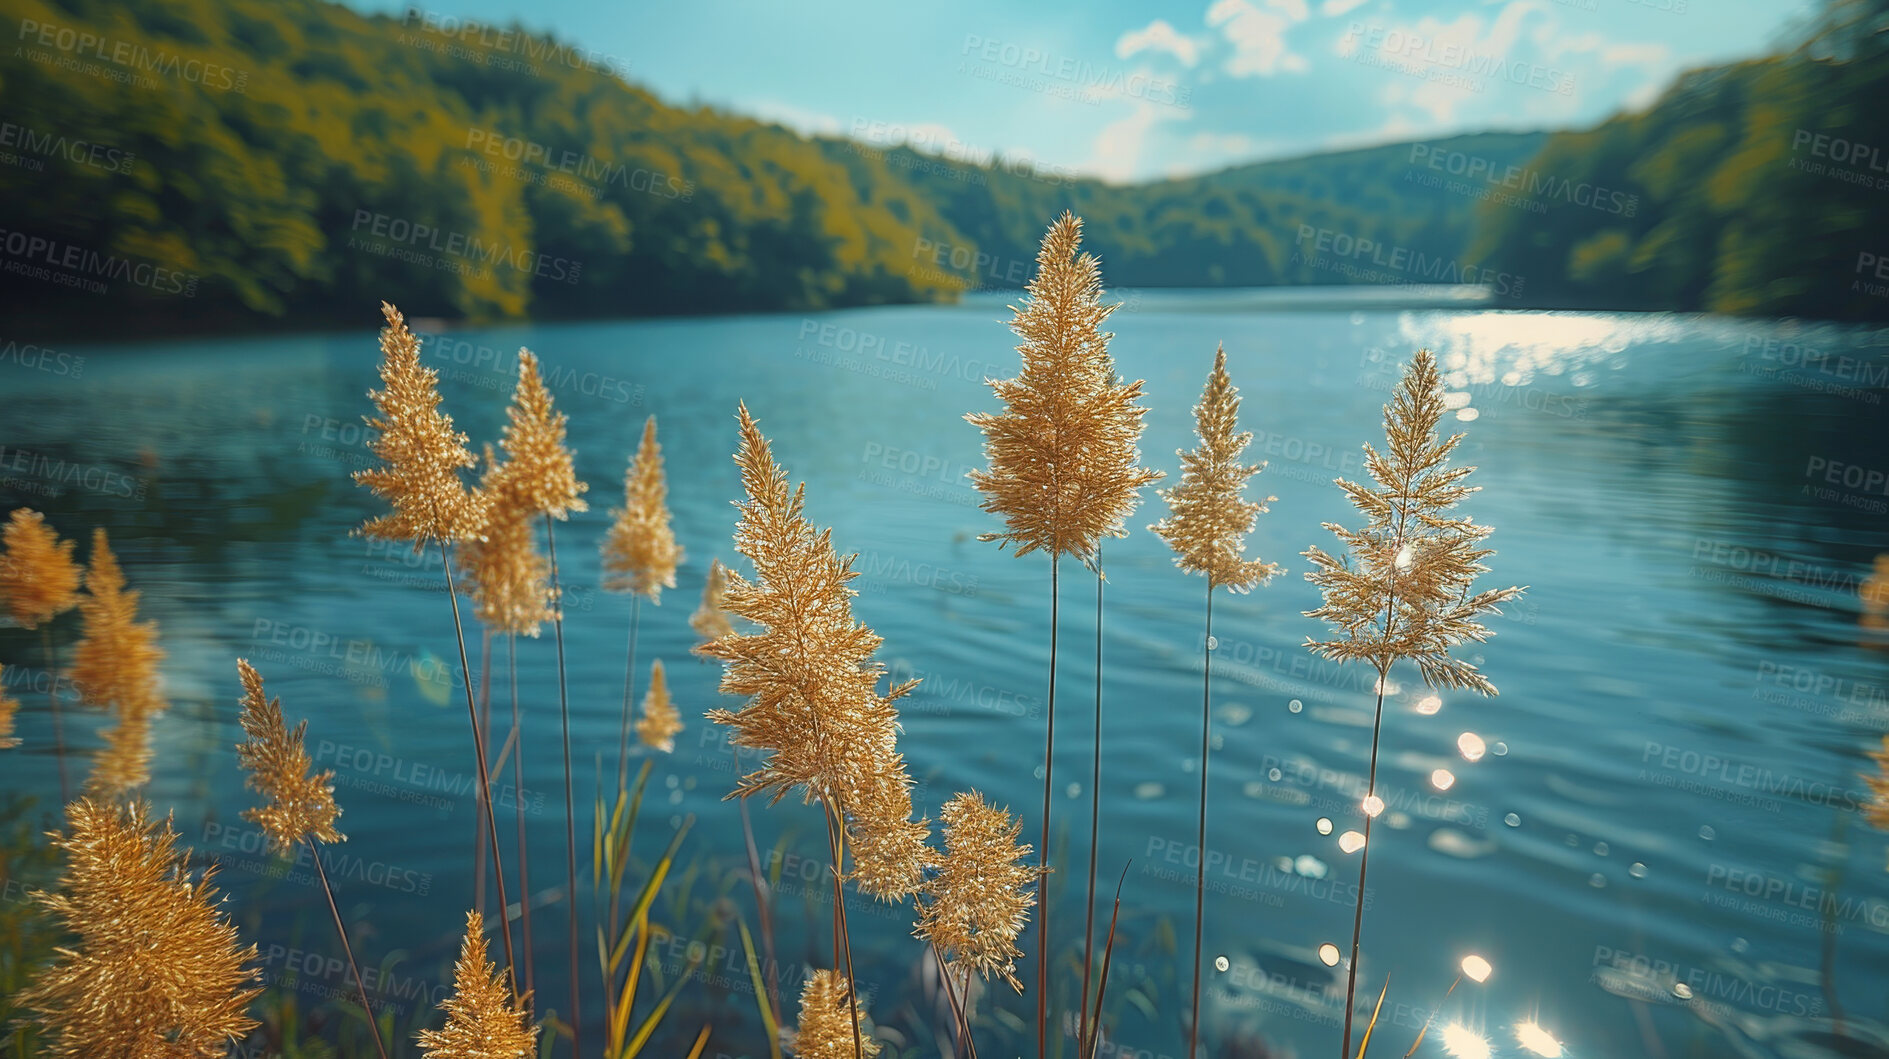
(254, 162)
(1761, 187)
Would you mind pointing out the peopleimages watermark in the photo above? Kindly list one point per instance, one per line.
(1446, 62)
(567, 169)
(37, 472)
(1837, 374)
(124, 61)
(1667, 982)
(1791, 901)
(927, 140)
(1374, 262)
(34, 357)
(339, 863)
(1847, 700)
(1708, 774)
(491, 40)
(1243, 877)
(1064, 76)
(457, 252)
(1875, 266)
(1833, 156)
(27, 148)
(1848, 484)
(1512, 185)
(83, 268)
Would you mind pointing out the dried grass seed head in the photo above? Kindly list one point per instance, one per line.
(421, 454)
(640, 553)
(38, 578)
(301, 805)
(1208, 513)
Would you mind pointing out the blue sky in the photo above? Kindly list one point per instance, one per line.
(1133, 91)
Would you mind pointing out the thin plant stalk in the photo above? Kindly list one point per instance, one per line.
(485, 723)
(570, 819)
(1370, 787)
(1434, 1012)
(957, 1007)
(1200, 844)
(1364, 862)
(485, 775)
(52, 696)
(629, 681)
(835, 824)
(762, 904)
(1108, 953)
(1095, 807)
(346, 948)
(1042, 849)
(518, 781)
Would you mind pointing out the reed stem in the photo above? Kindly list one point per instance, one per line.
(52, 696)
(835, 827)
(1434, 1012)
(485, 724)
(762, 904)
(1200, 844)
(629, 681)
(957, 1007)
(1364, 861)
(1095, 809)
(485, 776)
(570, 818)
(1042, 849)
(346, 948)
(518, 781)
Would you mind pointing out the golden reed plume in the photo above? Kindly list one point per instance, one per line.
(1063, 468)
(301, 805)
(978, 901)
(813, 704)
(38, 579)
(640, 552)
(420, 452)
(660, 722)
(1877, 809)
(482, 1022)
(155, 970)
(710, 621)
(1404, 592)
(540, 469)
(826, 1023)
(115, 668)
(9, 708)
(1209, 517)
(508, 578)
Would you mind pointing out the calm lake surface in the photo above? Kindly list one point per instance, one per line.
(1661, 849)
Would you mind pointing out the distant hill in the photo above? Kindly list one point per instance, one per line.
(199, 164)
(189, 164)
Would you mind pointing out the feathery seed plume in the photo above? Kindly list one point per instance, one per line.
(508, 578)
(123, 764)
(115, 662)
(9, 707)
(710, 621)
(300, 805)
(640, 551)
(1209, 517)
(38, 579)
(1877, 810)
(813, 704)
(156, 969)
(540, 467)
(1062, 454)
(1404, 589)
(980, 896)
(660, 722)
(826, 1023)
(420, 452)
(481, 1020)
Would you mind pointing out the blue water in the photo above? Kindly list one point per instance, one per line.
(1661, 851)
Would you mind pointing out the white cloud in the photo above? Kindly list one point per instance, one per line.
(1258, 37)
(1118, 148)
(801, 120)
(1334, 8)
(1158, 36)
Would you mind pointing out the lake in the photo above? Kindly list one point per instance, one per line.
(1660, 849)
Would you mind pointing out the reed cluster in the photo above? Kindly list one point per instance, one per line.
(810, 708)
